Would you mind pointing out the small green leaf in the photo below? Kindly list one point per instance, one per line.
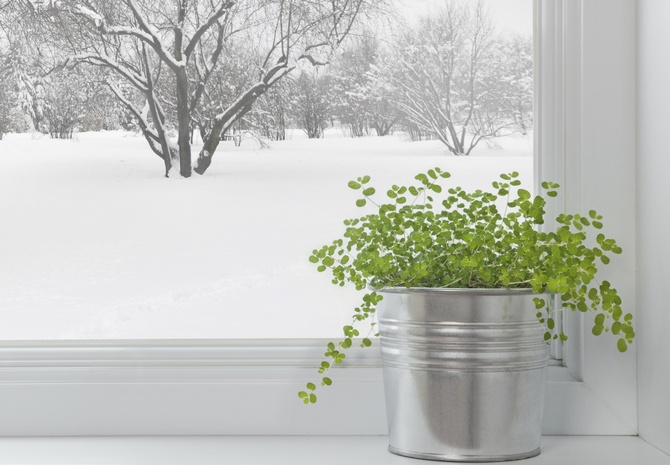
(302, 394)
(311, 386)
(523, 194)
(369, 191)
(621, 345)
(361, 202)
(327, 381)
(628, 331)
(354, 185)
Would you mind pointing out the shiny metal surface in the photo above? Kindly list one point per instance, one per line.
(464, 373)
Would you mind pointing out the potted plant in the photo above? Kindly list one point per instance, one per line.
(463, 286)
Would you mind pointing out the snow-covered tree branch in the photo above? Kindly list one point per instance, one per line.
(173, 53)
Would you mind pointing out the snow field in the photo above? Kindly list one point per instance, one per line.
(96, 244)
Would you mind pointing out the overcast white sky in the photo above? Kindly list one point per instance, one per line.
(512, 15)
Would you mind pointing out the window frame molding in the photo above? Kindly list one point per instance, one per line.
(248, 387)
(586, 62)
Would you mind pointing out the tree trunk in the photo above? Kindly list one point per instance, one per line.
(211, 142)
(168, 164)
(382, 129)
(208, 149)
(184, 123)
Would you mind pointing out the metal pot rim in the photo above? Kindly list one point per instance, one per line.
(458, 291)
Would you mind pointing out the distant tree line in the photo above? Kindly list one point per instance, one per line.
(208, 69)
(449, 77)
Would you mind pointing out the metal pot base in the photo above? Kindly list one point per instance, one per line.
(465, 458)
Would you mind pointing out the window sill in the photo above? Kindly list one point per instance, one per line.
(292, 450)
(218, 388)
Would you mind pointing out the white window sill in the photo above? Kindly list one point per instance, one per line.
(300, 450)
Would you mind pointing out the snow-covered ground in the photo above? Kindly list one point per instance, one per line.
(96, 243)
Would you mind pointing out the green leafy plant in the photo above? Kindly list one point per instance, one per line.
(426, 235)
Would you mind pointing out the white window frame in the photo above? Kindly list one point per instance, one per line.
(586, 62)
(586, 89)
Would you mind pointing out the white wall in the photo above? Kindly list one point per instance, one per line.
(653, 222)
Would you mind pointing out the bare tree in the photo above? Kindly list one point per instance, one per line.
(270, 115)
(5, 108)
(152, 44)
(351, 85)
(447, 77)
(5, 97)
(311, 107)
(71, 97)
(515, 80)
(363, 101)
(102, 111)
(24, 75)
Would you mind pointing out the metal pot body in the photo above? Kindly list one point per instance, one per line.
(464, 373)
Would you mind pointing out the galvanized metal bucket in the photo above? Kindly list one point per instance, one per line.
(464, 373)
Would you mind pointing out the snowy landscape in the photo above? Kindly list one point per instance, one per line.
(97, 244)
(168, 170)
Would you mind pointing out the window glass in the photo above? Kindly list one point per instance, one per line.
(96, 243)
